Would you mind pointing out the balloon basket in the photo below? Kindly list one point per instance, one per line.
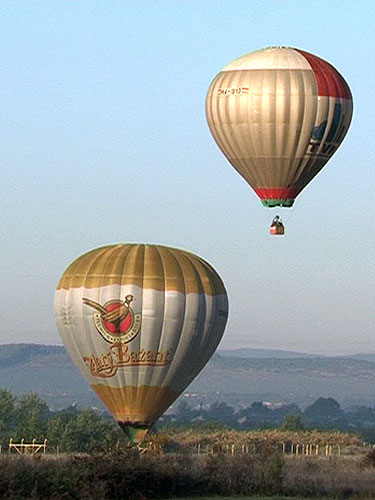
(277, 227)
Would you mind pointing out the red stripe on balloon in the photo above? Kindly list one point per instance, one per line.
(329, 81)
(277, 193)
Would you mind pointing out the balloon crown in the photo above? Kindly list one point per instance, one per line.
(279, 47)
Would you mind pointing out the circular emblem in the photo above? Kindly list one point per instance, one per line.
(116, 320)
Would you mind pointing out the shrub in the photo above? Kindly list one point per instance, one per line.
(369, 459)
(127, 475)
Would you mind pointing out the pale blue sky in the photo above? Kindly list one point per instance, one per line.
(104, 140)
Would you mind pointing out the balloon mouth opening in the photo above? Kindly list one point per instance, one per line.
(135, 431)
(270, 203)
(277, 196)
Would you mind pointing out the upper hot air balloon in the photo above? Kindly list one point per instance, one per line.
(278, 114)
(140, 322)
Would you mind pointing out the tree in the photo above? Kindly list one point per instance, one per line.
(7, 409)
(258, 409)
(221, 412)
(324, 409)
(31, 415)
(183, 409)
(88, 431)
(56, 427)
(293, 422)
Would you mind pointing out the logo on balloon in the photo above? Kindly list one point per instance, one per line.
(233, 91)
(116, 320)
(332, 137)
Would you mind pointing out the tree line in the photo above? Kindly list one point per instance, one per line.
(71, 430)
(323, 414)
(85, 430)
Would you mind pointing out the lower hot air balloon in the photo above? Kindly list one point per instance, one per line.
(140, 321)
(278, 115)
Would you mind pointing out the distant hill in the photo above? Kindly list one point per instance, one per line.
(264, 353)
(281, 354)
(363, 356)
(48, 371)
(292, 380)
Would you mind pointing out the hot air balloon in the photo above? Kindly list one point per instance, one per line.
(278, 114)
(140, 322)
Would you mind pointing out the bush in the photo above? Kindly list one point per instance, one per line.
(127, 475)
(333, 477)
(369, 459)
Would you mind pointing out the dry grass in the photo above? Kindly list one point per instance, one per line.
(333, 477)
(127, 475)
(244, 498)
(241, 498)
(188, 438)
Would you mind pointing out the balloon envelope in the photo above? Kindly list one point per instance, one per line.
(140, 322)
(278, 115)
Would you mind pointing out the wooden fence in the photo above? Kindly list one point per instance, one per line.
(23, 448)
(286, 448)
(326, 450)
